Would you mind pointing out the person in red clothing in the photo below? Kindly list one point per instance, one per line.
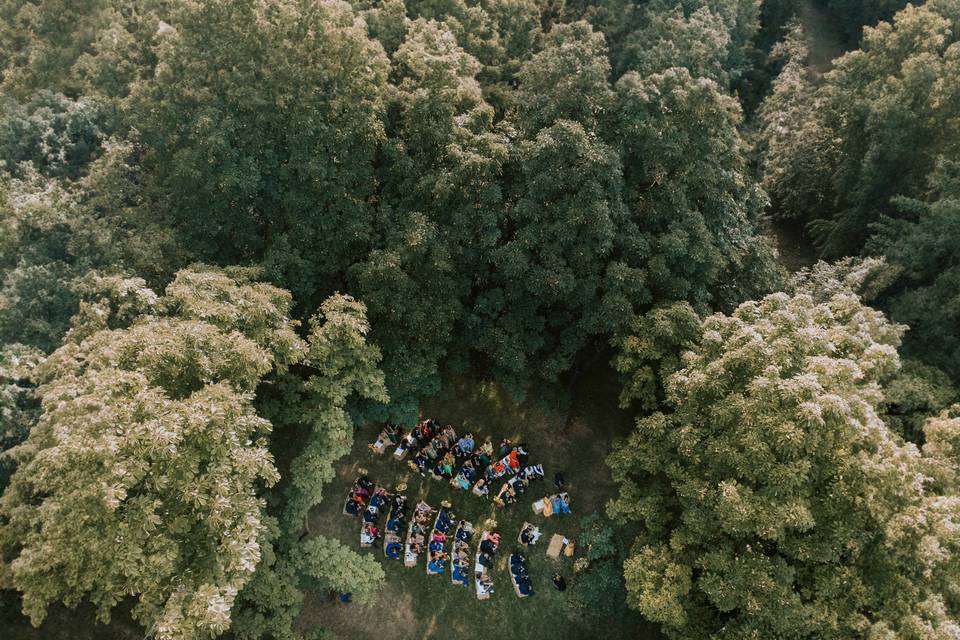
(514, 460)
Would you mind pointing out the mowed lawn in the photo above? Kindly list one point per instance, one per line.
(415, 605)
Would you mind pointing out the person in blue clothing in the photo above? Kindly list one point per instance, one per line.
(392, 550)
(464, 446)
(561, 503)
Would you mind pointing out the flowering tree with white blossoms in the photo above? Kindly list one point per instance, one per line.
(774, 501)
(142, 476)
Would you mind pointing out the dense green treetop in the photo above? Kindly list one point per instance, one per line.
(139, 477)
(774, 501)
(873, 128)
(919, 241)
(145, 473)
(251, 165)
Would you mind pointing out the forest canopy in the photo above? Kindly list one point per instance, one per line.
(232, 232)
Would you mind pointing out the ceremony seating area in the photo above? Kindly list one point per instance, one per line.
(529, 535)
(417, 533)
(438, 452)
(396, 521)
(460, 556)
(486, 551)
(519, 575)
(437, 557)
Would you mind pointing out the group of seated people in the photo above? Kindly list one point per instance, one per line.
(437, 558)
(370, 530)
(532, 472)
(460, 556)
(510, 490)
(416, 439)
(518, 572)
(529, 534)
(485, 559)
(395, 525)
(436, 455)
(560, 503)
(419, 529)
(389, 435)
(438, 452)
(357, 498)
(512, 459)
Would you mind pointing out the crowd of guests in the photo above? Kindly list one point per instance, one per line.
(489, 542)
(437, 556)
(438, 453)
(396, 522)
(460, 554)
(357, 498)
(371, 503)
(519, 575)
(511, 491)
(560, 502)
(529, 534)
(418, 532)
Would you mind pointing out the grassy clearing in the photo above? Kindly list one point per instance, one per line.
(824, 36)
(414, 605)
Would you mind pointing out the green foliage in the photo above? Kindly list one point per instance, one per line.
(328, 564)
(40, 41)
(269, 604)
(266, 166)
(59, 136)
(441, 177)
(56, 237)
(697, 42)
(546, 295)
(597, 588)
(566, 80)
(795, 141)
(872, 129)
(689, 191)
(38, 291)
(343, 368)
(774, 501)
(650, 351)
(139, 477)
(150, 428)
(916, 393)
(19, 405)
(942, 449)
(856, 14)
(231, 301)
(599, 537)
(920, 244)
(865, 277)
(345, 365)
